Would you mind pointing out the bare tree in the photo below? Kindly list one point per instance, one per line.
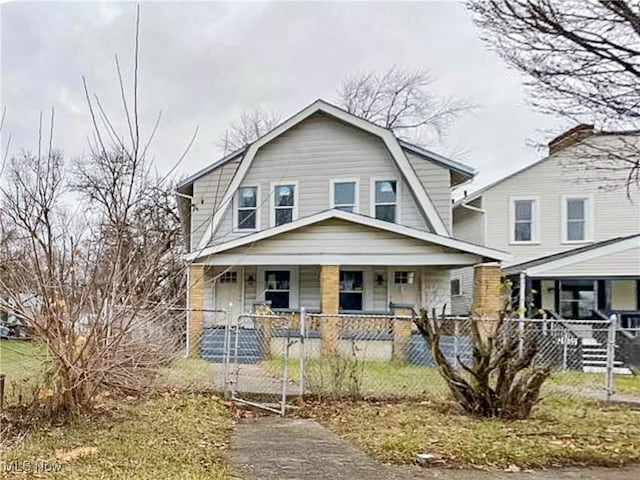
(94, 268)
(247, 128)
(582, 61)
(401, 100)
(501, 380)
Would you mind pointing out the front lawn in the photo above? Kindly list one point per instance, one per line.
(168, 437)
(624, 384)
(369, 378)
(24, 364)
(562, 431)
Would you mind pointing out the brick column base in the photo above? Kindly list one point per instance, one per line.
(196, 305)
(401, 331)
(330, 304)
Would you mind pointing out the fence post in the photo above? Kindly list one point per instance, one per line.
(611, 354)
(456, 341)
(301, 354)
(565, 348)
(285, 376)
(226, 354)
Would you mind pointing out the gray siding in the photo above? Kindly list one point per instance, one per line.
(614, 214)
(468, 225)
(436, 181)
(625, 263)
(310, 286)
(312, 153)
(207, 195)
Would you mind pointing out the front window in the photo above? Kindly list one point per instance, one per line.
(351, 286)
(403, 278)
(247, 205)
(455, 287)
(576, 219)
(523, 220)
(284, 201)
(277, 287)
(577, 299)
(344, 196)
(386, 200)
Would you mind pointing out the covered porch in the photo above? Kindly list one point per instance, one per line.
(334, 263)
(591, 282)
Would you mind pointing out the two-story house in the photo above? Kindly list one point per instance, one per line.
(574, 242)
(329, 212)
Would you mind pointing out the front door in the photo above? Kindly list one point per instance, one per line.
(228, 293)
(577, 299)
(404, 287)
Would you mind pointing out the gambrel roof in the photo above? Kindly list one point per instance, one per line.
(392, 144)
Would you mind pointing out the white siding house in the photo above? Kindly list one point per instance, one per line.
(557, 206)
(326, 189)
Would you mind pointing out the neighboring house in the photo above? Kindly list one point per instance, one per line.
(576, 244)
(329, 212)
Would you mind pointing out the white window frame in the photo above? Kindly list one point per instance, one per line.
(332, 191)
(588, 218)
(294, 283)
(272, 203)
(535, 220)
(236, 206)
(372, 196)
(367, 285)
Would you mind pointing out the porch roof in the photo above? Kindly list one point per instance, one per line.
(612, 258)
(345, 238)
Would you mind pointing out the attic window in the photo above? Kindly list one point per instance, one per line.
(247, 205)
(284, 197)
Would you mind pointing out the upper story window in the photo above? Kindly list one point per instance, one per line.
(344, 195)
(284, 203)
(576, 220)
(386, 200)
(524, 220)
(247, 208)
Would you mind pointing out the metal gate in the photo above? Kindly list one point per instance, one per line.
(257, 359)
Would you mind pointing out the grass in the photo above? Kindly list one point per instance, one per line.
(171, 436)
(624, 384)
(192, 374)
(376, 378)
(23, 364)
(562, 431)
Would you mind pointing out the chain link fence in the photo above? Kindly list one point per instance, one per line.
(270, 359)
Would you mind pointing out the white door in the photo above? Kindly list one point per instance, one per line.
(404, 287)
(228, 294)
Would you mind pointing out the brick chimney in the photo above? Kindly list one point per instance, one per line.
(571, 136)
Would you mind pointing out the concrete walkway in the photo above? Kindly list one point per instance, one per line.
(272, 448)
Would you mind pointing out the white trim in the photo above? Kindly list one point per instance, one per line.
(332, 183)
(591, 254)
(426, 259)
(588, 218)
(294, 282)
(236, 206)
(444, 241)
(372, 196)
(390, 141)
(272, 206)
(535, 220)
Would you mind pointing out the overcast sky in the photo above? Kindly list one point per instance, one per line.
(203, 63)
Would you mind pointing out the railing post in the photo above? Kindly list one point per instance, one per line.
(285, 376)
(611, 354)
(301, 354)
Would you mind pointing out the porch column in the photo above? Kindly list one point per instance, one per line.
(195, 315)
(402, 326)
(330, 304)
(487, 296)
